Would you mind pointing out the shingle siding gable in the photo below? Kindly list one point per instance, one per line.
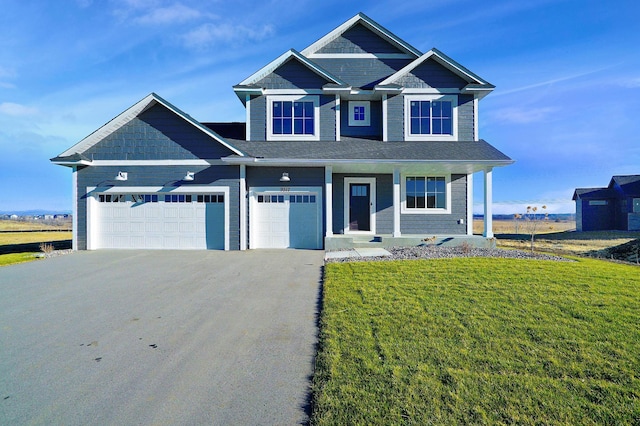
(292, 75)
(430, 74)
(359, 39)
(157, 134)
(365, 72)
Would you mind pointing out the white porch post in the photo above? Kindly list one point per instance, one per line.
(396, 202)
(488, 202)
(328, 190)
(243, 207)
(74, 208)
(470, 204)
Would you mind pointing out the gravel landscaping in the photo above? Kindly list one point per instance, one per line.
(436, 252)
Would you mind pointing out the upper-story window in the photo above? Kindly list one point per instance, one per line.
(293, 117)
(430, 117)
(359, 113)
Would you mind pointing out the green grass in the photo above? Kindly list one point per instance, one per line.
(32, 237)
(10, 259)
(479, 341)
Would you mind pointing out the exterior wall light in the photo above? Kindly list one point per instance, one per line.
(285, 178)
(121, 176)
(190, 176)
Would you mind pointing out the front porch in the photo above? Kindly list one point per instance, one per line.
(342, 242)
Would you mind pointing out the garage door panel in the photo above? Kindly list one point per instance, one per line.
(158, 224)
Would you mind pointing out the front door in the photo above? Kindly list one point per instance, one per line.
(359, 207)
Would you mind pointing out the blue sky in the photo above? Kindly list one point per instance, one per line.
(566, 106)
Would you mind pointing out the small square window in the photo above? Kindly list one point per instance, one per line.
(359, 113)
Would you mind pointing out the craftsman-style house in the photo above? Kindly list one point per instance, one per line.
(359, 135)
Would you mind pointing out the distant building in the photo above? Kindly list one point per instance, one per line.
(615, 207)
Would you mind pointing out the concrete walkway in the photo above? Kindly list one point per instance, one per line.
(159, 337)
(357, 252)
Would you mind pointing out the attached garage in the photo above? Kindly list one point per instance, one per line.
(289, 218)
(187, 218)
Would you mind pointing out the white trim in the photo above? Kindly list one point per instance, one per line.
(470, 204)
(316, 118)
(369, 23)
(269, 92)
(125, 117)
(361, 56)
(385, 124)
(430, 90)
(164, 163)
(372, 203)
(254, 191)
(488, 202)
(481, 164)
(367, 113)
(396, 202)
(92, 204)
(243, 207)
(328, 190)
(338, 118)
(403, 202)
(247, 133)
(74, 208)
(407, 117)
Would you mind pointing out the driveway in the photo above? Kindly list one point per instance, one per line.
(159, 337)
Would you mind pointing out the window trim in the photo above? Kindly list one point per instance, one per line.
(408, 136)
(403, 194)
(367, 114)
(293, 98)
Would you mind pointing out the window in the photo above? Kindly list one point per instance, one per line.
(359, 113)
(177, 198)
(210, 198)
(426, 194)
(636, 205)
(291, 117)
(598, 202)
(430, 117)
(112, 198)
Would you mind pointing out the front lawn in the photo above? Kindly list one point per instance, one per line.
(481, 341)
(13, 258)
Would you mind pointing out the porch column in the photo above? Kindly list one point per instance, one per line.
(488, 202)
(74, 211)
(396, 202)
(243, 207)
(470, 204)
(328, 202)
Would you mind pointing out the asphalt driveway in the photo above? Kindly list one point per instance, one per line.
(159, 337)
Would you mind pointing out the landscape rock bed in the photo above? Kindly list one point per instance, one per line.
(435, 252)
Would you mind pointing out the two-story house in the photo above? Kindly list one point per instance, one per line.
(359, 135)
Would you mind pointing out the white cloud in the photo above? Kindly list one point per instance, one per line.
(631, 83)
(210, 34)
(16, 110)
(522, 115)
(176, 13)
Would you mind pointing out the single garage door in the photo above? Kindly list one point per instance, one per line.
(286, 219)
(158, 221)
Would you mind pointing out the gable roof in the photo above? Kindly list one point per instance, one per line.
(630, 184)
(476, 83)
(369, 23)
(72, 155)
(289, 55)
(593, 193)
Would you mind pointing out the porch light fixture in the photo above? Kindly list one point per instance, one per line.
(189, 176)
(285, 178)
(121, 176)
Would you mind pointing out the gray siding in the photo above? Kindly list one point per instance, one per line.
(465, 118)
(441, 224)
(359, 39)
(327, 118)
(160, 176)
(292, 75)
(157, 134)
(258, 118)
(374, 130)
(364, 73)
(431, 74)
(395, 118)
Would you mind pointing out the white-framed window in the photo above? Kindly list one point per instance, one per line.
(426, 194)
(359, 113)
(293, 117)
(430, 117)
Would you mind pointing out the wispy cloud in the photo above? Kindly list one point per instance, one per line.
(520, 115)
(176, 13)
(210, 34)
(631, 83)
(16, 110)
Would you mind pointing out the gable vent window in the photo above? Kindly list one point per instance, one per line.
(293, 117)
(359, 113)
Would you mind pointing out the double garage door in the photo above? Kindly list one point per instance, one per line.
(157, 220)
(286, 218)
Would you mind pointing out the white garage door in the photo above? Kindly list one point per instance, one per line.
(158, 221)
(291, 219)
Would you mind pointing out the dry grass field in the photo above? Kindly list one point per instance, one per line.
(19, 225)
(556, 237)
